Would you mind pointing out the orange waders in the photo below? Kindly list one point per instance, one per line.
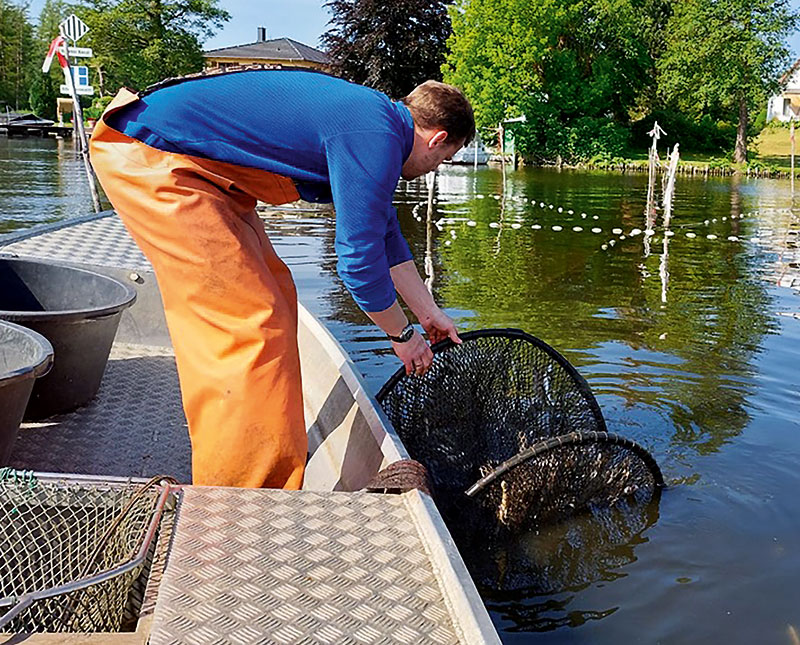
(230, 303)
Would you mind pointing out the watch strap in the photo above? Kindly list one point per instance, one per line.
(404, 336)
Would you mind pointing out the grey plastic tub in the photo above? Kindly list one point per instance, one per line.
(78, 311)
(24, 357)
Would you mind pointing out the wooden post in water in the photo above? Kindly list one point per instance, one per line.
(652, 159)
(791, 139)
(669, 190)
(501, 135)
(430, 179)
(650, 207)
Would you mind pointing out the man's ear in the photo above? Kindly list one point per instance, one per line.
(437, 139)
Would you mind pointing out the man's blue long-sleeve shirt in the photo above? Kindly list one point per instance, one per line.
(335, 139)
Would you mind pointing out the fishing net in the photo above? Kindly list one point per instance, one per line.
(565, 556)
(515, 445)
(485, 401)
(73, 555)
(555, 477)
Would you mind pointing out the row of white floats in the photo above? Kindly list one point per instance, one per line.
(441, 222)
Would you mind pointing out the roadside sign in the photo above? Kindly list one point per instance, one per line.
(80, 75)
(73, 28)
(80, 90)
(80, 52)
(80, 79)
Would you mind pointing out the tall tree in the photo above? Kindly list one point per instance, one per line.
(43, 89)
(139, 42)
(574, 68)
(724, 57)
(390, 46)
(16, 54)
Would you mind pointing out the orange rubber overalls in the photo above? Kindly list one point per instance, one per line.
(230, 302)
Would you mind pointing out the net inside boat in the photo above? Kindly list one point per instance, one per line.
(68, 553)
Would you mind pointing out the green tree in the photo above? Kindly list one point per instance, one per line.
(575, 68)
(16, 54)
(137, 43)
(390, 46)
(44, 88)
(724, 57)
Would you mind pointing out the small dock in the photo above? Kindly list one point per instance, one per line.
(31, 125)
(34, 130)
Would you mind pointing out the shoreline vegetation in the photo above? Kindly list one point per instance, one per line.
(692, 167)
(769, 158)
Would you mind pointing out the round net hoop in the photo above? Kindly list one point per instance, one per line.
(566, 475)
(483, 402)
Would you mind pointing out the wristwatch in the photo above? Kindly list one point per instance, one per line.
(405, 335)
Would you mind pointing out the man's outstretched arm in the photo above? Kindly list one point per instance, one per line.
(415, 294)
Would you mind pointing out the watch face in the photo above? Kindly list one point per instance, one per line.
(407, 333)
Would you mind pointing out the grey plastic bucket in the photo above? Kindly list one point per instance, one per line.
(78, 311)
(24, 357)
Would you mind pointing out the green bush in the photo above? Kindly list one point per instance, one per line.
(759, 123)
(703, 135)
(763, 166)
(546, 137)
(42, 96)
(97, 108)
(591, 137)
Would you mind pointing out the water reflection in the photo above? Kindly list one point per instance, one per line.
(562, 286)
(41, 180)
(691, 361)
(521, 576)
(670, 341)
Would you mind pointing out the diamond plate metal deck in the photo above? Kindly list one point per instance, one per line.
(135, 426)
(268, 566)
(101, 242)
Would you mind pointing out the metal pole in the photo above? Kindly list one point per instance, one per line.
(501, 134)
(83, 142)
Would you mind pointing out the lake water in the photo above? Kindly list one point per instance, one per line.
(691, 348)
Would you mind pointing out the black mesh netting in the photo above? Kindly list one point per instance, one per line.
(557, 476)
(507, 418)
(485, 401)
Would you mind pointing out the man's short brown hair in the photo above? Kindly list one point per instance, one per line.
(436, 105)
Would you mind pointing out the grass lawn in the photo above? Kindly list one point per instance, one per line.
(773, 147)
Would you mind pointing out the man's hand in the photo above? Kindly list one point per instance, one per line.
(416, 295)
(415, 354)
(439, 326)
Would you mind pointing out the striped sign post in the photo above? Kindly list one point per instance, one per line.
(72, 29)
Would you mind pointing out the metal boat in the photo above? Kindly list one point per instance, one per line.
(330, 563)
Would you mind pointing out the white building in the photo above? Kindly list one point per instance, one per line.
(785, 105)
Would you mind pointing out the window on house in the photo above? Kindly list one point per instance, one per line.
(787, 107)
